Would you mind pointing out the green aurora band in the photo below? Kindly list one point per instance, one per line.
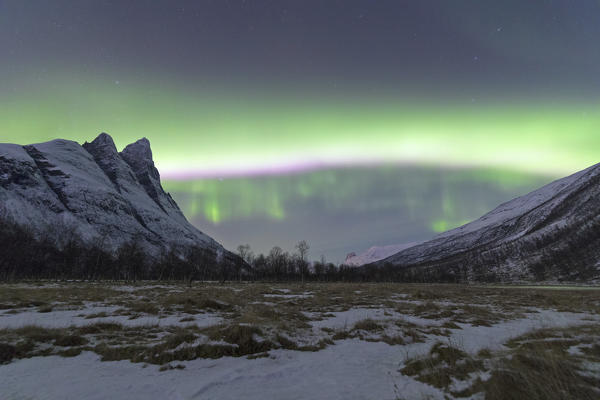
(350, 189)
(345, 209)
(211, 133)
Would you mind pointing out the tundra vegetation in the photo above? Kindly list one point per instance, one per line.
(432, 327)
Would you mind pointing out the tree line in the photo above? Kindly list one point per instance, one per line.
(59, 253)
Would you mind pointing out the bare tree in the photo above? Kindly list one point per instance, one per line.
(246, 255)
(244, 252)
(302, 248)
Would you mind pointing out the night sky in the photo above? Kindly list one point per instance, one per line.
(247, 89)
(252, 86)
(479, 47)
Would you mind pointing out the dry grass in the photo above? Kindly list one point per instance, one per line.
(537, 366)
(253, 324)
(444, 363)
(368, 325)
(19, 296)
(539, 376)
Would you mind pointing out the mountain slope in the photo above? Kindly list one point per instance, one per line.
(551, 233)
(98, 193)
(375, 253)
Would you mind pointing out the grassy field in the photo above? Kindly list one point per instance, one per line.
(448, 341)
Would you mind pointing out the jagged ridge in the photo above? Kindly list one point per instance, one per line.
(97, 191)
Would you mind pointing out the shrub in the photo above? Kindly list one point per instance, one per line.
(7, 353)
(368, 325)
(70, 341)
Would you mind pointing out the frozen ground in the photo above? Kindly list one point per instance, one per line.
(88, 316)
(320, 341)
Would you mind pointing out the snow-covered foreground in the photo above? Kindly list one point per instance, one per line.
(356, 367)
(350, 369)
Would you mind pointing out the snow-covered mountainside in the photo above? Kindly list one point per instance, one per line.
(96, 193)
(551, 233)
(375, 253)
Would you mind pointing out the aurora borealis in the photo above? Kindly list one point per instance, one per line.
(347, 209)
(199, 136)
(273, 116)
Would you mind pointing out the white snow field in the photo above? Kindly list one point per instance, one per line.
(367, 330)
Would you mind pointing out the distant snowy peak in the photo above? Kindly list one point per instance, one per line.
(103, 194)
(550, 233)
(375, 253)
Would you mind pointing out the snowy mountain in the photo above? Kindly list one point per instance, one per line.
(98, 194)
(375, 253)
(552, 233)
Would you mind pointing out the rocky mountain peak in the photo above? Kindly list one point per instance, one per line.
(104, 139)
(105, 154)
(102, 145)
(105, 196)
(138, 155)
